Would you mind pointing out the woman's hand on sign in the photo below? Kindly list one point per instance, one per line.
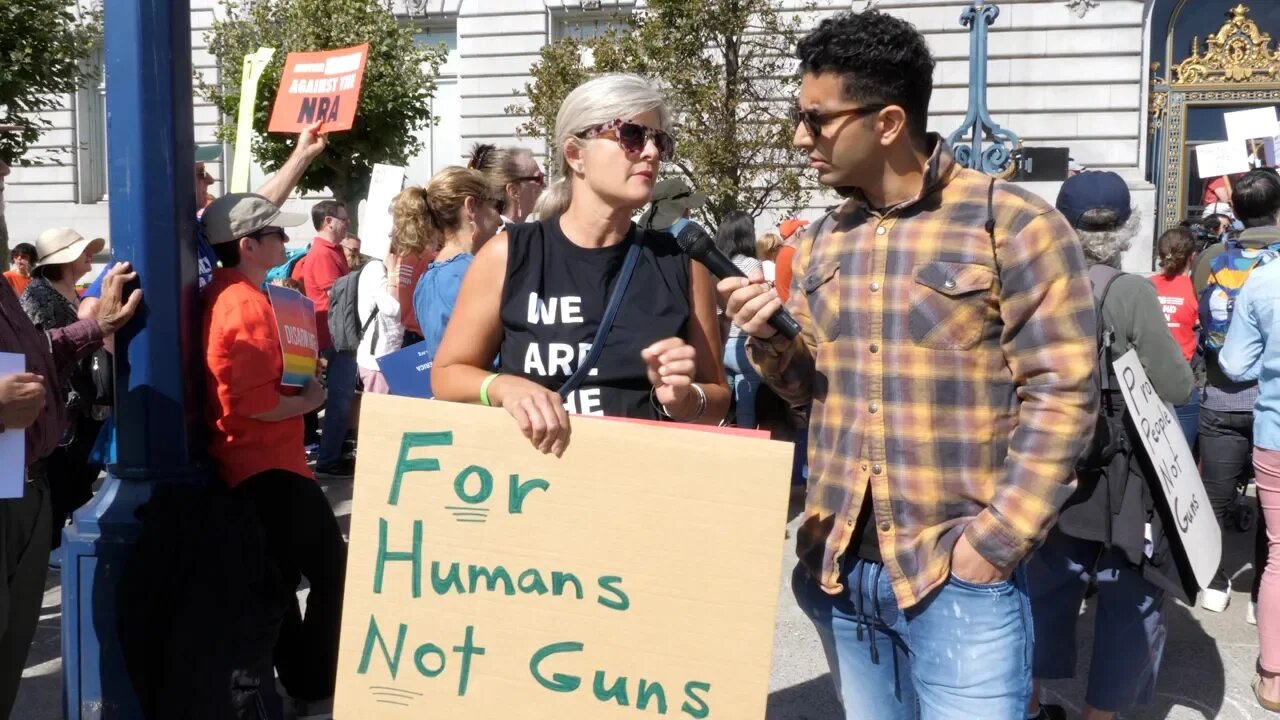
(539, 412)
(671, 364)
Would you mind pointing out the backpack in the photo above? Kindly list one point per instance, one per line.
(1227, 274)
(1108, 430)
(285, 271)
(344, 313)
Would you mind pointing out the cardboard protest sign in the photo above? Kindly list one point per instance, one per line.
(319, 87)
(636, 576)
(375, 221)
(13, 443)
(296, 326)
(1179, 481)
(408, 371)
(1224, 158)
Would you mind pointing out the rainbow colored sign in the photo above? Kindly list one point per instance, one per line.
(296, 326)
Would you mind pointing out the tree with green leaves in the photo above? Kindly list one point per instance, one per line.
(727, 70)
(395, 95)
(43, 48)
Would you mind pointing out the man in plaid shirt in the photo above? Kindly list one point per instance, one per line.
(947, 348)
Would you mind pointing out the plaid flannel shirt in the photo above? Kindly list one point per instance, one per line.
(957, 388)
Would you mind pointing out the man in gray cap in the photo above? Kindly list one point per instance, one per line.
(33, 402)
(256, 439)
(672, 202)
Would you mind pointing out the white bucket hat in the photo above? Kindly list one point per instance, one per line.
(64, 245)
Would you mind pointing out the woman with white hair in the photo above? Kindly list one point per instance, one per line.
(537, 295)
(1110, 529)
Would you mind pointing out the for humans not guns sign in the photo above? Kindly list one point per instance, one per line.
(636, 576)
(1179, 480)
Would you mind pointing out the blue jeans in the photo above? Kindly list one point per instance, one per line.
(1129, 630)
(342, 375)
(743, 380)
(962, 653)
(1189, 418)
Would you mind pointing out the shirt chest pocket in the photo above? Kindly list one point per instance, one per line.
(949, 303)
(821, 288)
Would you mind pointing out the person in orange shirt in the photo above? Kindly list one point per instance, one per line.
(790, 232)
(255, 438)
(22, 259)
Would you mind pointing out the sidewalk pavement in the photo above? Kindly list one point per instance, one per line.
(1208, 661)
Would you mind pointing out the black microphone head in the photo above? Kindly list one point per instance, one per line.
(695, 241)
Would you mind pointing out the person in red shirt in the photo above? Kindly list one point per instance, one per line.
(255, 438)
(790, 232)
(325, 262)
(1177, 295)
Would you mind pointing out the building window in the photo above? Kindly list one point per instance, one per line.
(91, 136)
(585, 26)
(442, 143)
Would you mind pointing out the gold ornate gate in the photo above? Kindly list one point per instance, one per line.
(1238, 68)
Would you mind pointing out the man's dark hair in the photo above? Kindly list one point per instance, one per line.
(737, 235)
(228, 253)
(26, 250)
(324, 209)
(880, 59)
(1256, 198)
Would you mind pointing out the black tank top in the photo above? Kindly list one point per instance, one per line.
(554, 297)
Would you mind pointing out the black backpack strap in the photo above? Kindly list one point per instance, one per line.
(1101, 277)
(991, 225)
(606, 322)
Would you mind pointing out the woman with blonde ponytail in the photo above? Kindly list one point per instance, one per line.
(536, 295)
(455, 215)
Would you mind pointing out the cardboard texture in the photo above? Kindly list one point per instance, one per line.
(1179, 479)
(1224, 158)
(296, 326)
(319, 87)
(13, 443)
(675, 538)
(375, 221)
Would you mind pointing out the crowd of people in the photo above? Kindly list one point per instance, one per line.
(972, 472)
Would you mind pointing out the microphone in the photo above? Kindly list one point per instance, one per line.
(695, 242)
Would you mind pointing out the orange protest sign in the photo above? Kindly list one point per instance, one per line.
(319, 87)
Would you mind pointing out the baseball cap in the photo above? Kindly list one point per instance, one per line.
(63, 245)
(790, 227)
(208, 153)
(236, 215)
(671, 197)
(1094, 190)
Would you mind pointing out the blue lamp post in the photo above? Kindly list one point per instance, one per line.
(150, 178)
(978, 125)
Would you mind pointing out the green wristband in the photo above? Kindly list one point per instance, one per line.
(484, 389)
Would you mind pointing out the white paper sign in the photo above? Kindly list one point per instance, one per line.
(1250, 124)
(1178, 479)
(1224, 158)
(13, 443)
(375, 223)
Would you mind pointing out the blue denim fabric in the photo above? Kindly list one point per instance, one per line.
(1129, 629)
(341, 376)
(1189, 418)
(743, 380)
(962, 653)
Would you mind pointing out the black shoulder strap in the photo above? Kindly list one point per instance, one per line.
(991, 225)
(1101, 277)
(606, 322)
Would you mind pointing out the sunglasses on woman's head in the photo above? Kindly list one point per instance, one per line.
(632, 137)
